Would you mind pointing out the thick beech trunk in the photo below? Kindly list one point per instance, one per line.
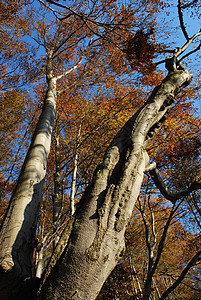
(18, 229)
(97, 238)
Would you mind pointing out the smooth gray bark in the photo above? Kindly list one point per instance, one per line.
(74, 175)
(40, 263)
(17, 234)
(57, 203)
(97, 238)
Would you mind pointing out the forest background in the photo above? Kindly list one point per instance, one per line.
(108, 75)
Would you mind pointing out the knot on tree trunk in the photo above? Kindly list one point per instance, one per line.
(7, 264)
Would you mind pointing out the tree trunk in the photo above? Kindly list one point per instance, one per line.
(57, 205)
(147, 287)
(74, 175)
(40, 263)
(97, 238)
(138, 290)
(18, 228)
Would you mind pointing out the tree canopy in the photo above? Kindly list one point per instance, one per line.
(75, 79)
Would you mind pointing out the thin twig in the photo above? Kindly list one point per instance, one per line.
(181, 20)
(196, 258)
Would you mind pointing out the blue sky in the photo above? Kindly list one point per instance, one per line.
(170, 16)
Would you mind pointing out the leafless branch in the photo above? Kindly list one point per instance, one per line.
(189, 4)
(193, 203)
(63, 42)
(152, 223)
(87, 21)
(75, 67)
(69, 71)
(179, 51)
(191, 52)
(187, 44)
(55, 12)
(184, 283)
(196, 258)
(147, 233)
(80, 15)
(173, 197)
(163, 238)
(181, 20)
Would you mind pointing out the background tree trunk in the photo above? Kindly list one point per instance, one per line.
(17, 234)
(57, 203)
(74, 175)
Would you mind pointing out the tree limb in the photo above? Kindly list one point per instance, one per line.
(179, 51)
(80, 15)
(187, 44)
(163, 238)
(196, 258)
(189, 4)
(70, 70)
(181, 20)
(147, 234)
(53, 10)
(173, 197)
(191, 52)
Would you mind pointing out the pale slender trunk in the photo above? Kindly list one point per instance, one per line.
(57, 190)
(153, 261)
(134, 287)
(74, 175)
(97, 238)
(156, 288)
(72, 195)
(40, 263)
(18, 228)
(135, 277)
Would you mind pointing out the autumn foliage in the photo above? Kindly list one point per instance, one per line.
(140, 51)
(111, 53)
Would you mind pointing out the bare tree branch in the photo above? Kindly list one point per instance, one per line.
(70, 70)
(62, 43)
(83, 17)
(55, 12)
(189, 4)
(173, 197)
(196, 258)
(178, 51)
(181, 20)
(147, 234)
(153, 261)
(191, 52)
(163, 237)
(187, 44)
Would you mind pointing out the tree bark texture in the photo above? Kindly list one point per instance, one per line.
(18, 228)
(97, 238)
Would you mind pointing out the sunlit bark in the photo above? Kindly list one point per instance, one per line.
(18, 229)
(74, 175)
(97, 238)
